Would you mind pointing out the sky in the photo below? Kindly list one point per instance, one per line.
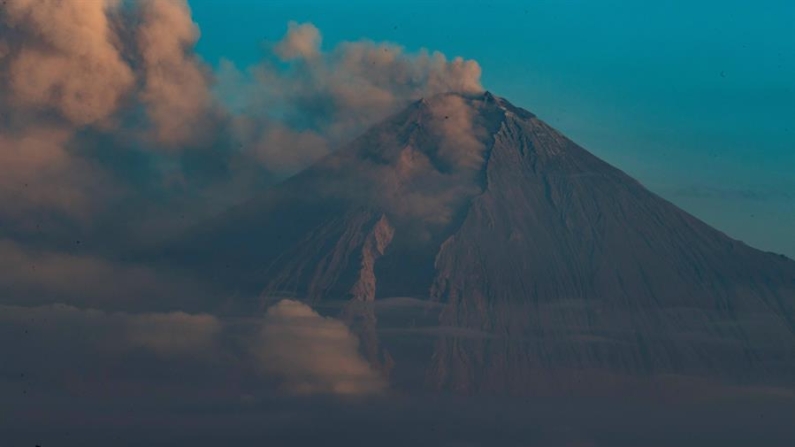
(694, 99)
(127, 125)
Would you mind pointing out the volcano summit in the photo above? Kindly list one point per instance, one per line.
(474, 249)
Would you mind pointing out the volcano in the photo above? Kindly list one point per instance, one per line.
(475, 249)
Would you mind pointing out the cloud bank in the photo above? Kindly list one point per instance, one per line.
(308, 354)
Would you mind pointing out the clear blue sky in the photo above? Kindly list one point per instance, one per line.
(696, 99)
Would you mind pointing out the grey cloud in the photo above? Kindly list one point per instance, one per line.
(291, 346)
(461, 138)
(173, 332)
(95, 378)
(168, 332)
(38, 276)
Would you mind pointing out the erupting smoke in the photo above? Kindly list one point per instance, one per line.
(127, 75)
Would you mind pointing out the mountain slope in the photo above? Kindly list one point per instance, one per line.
(542, 264)
(602, 274)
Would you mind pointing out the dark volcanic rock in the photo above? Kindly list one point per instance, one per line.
(533, 264)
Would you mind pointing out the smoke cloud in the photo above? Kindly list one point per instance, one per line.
(323, 99)
(460, 145)
(83, 84)
(114, 133)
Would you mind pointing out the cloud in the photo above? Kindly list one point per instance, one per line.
(281, 148)
(323, 99)
(85, 83)
(176, 88)
(164, 332)
(461, 139)
(760, 195)
(38, 173)
(65, 58)
(428, 175)
(302, 41)
(173, 332)
(38, 276)
(307, 353)
(312, 354)
(113, 129)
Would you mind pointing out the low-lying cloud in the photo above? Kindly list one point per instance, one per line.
(291, 344)
(30, 276)
(312, 354)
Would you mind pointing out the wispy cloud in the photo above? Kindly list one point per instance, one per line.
(750, 194)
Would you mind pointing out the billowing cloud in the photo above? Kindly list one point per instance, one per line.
(176, 84)
(68, 68)
(113, 128)
(323, 99)
(65, 58)
(428, 177)
(123, 79)
(301, 42)
(312, 354)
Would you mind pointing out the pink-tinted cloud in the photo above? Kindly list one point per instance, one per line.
(39, 174)
(65, 58)
(176, 83)
(301, 42)
(326, 98)
(312, 354)
(109, 117)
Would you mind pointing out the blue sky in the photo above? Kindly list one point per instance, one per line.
(695, 99)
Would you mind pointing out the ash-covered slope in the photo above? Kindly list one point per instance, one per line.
(547, 266)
